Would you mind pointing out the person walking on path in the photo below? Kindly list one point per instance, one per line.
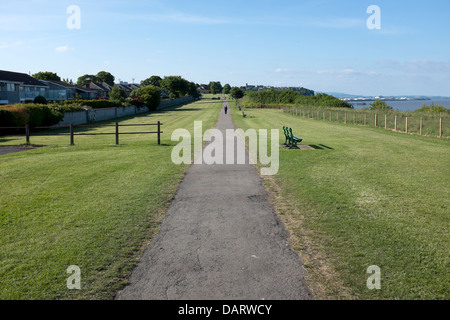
(226, 109)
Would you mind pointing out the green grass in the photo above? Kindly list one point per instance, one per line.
(95, 205)
(367, 197)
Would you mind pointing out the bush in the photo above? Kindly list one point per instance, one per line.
(433, 109)
(380, 105)
(289, 97)
(40, 100)
(95, 104)
(149, 96)
(34, 114)
(6, 118)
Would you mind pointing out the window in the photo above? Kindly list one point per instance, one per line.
(10, 87)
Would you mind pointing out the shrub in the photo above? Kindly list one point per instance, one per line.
(289, 97)
(380, 105)
(34, 114)
(6, 118)
(40, 100)
(95, 104)
(20, 115)
(433, 109)
(149, 96)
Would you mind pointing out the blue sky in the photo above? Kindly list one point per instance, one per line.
(323, 45)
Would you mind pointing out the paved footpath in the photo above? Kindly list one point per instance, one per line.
(220, 240)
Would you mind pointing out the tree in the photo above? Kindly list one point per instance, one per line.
(380, 105)
(215, 87)
(176, 85)
(152, 81)
(193, 90)
(69, 81)
(116, 95)
(107, 77)
(236, 93)
(149, 96)
(49, 76)
(226, 89)
(86, 79)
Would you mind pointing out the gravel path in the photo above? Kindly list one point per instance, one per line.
(220, 240)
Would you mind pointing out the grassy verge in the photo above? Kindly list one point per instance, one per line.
(94, 205)
(363, 197)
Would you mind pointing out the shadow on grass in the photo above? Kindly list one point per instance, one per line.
(320, 147)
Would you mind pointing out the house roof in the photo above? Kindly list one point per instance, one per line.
(67, 85)
(22, 78)
(133, 86)
(98, 86)
(124, 88)
(59, 83)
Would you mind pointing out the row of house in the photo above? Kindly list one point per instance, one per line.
(20, 87)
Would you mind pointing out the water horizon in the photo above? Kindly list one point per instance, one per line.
(403, 105)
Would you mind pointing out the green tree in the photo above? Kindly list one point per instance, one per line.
(193, 90)
(176, 85)
(152, 81)
(226, 89)
(107, 77)
(380, 105)
(116, 95)
(49, 76)
(237, 93)
(149, 96)
(86, 79)
(215, 87)
(69, 81)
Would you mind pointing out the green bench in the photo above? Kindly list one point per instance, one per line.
(291, 140)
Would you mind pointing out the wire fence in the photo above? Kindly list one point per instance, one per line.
(424, 124)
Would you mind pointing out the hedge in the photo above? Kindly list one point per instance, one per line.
(95, 104)
(36, 115)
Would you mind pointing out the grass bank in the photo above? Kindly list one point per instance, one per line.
(94, 205)
(363, 197)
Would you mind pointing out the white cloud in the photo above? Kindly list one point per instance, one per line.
(63, 49)
(5, 45)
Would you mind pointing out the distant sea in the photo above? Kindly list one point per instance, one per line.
(408, 105)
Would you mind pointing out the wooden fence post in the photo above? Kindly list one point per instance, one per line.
(324, 116)
(385, 122)
(406, 124)
(72, 142)
(441, 128)
(27, 132)
(345, 121)
(330, 117)
(159, 132)
(421, 125)
(117, 133)
(396, 119)
(376, 120)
